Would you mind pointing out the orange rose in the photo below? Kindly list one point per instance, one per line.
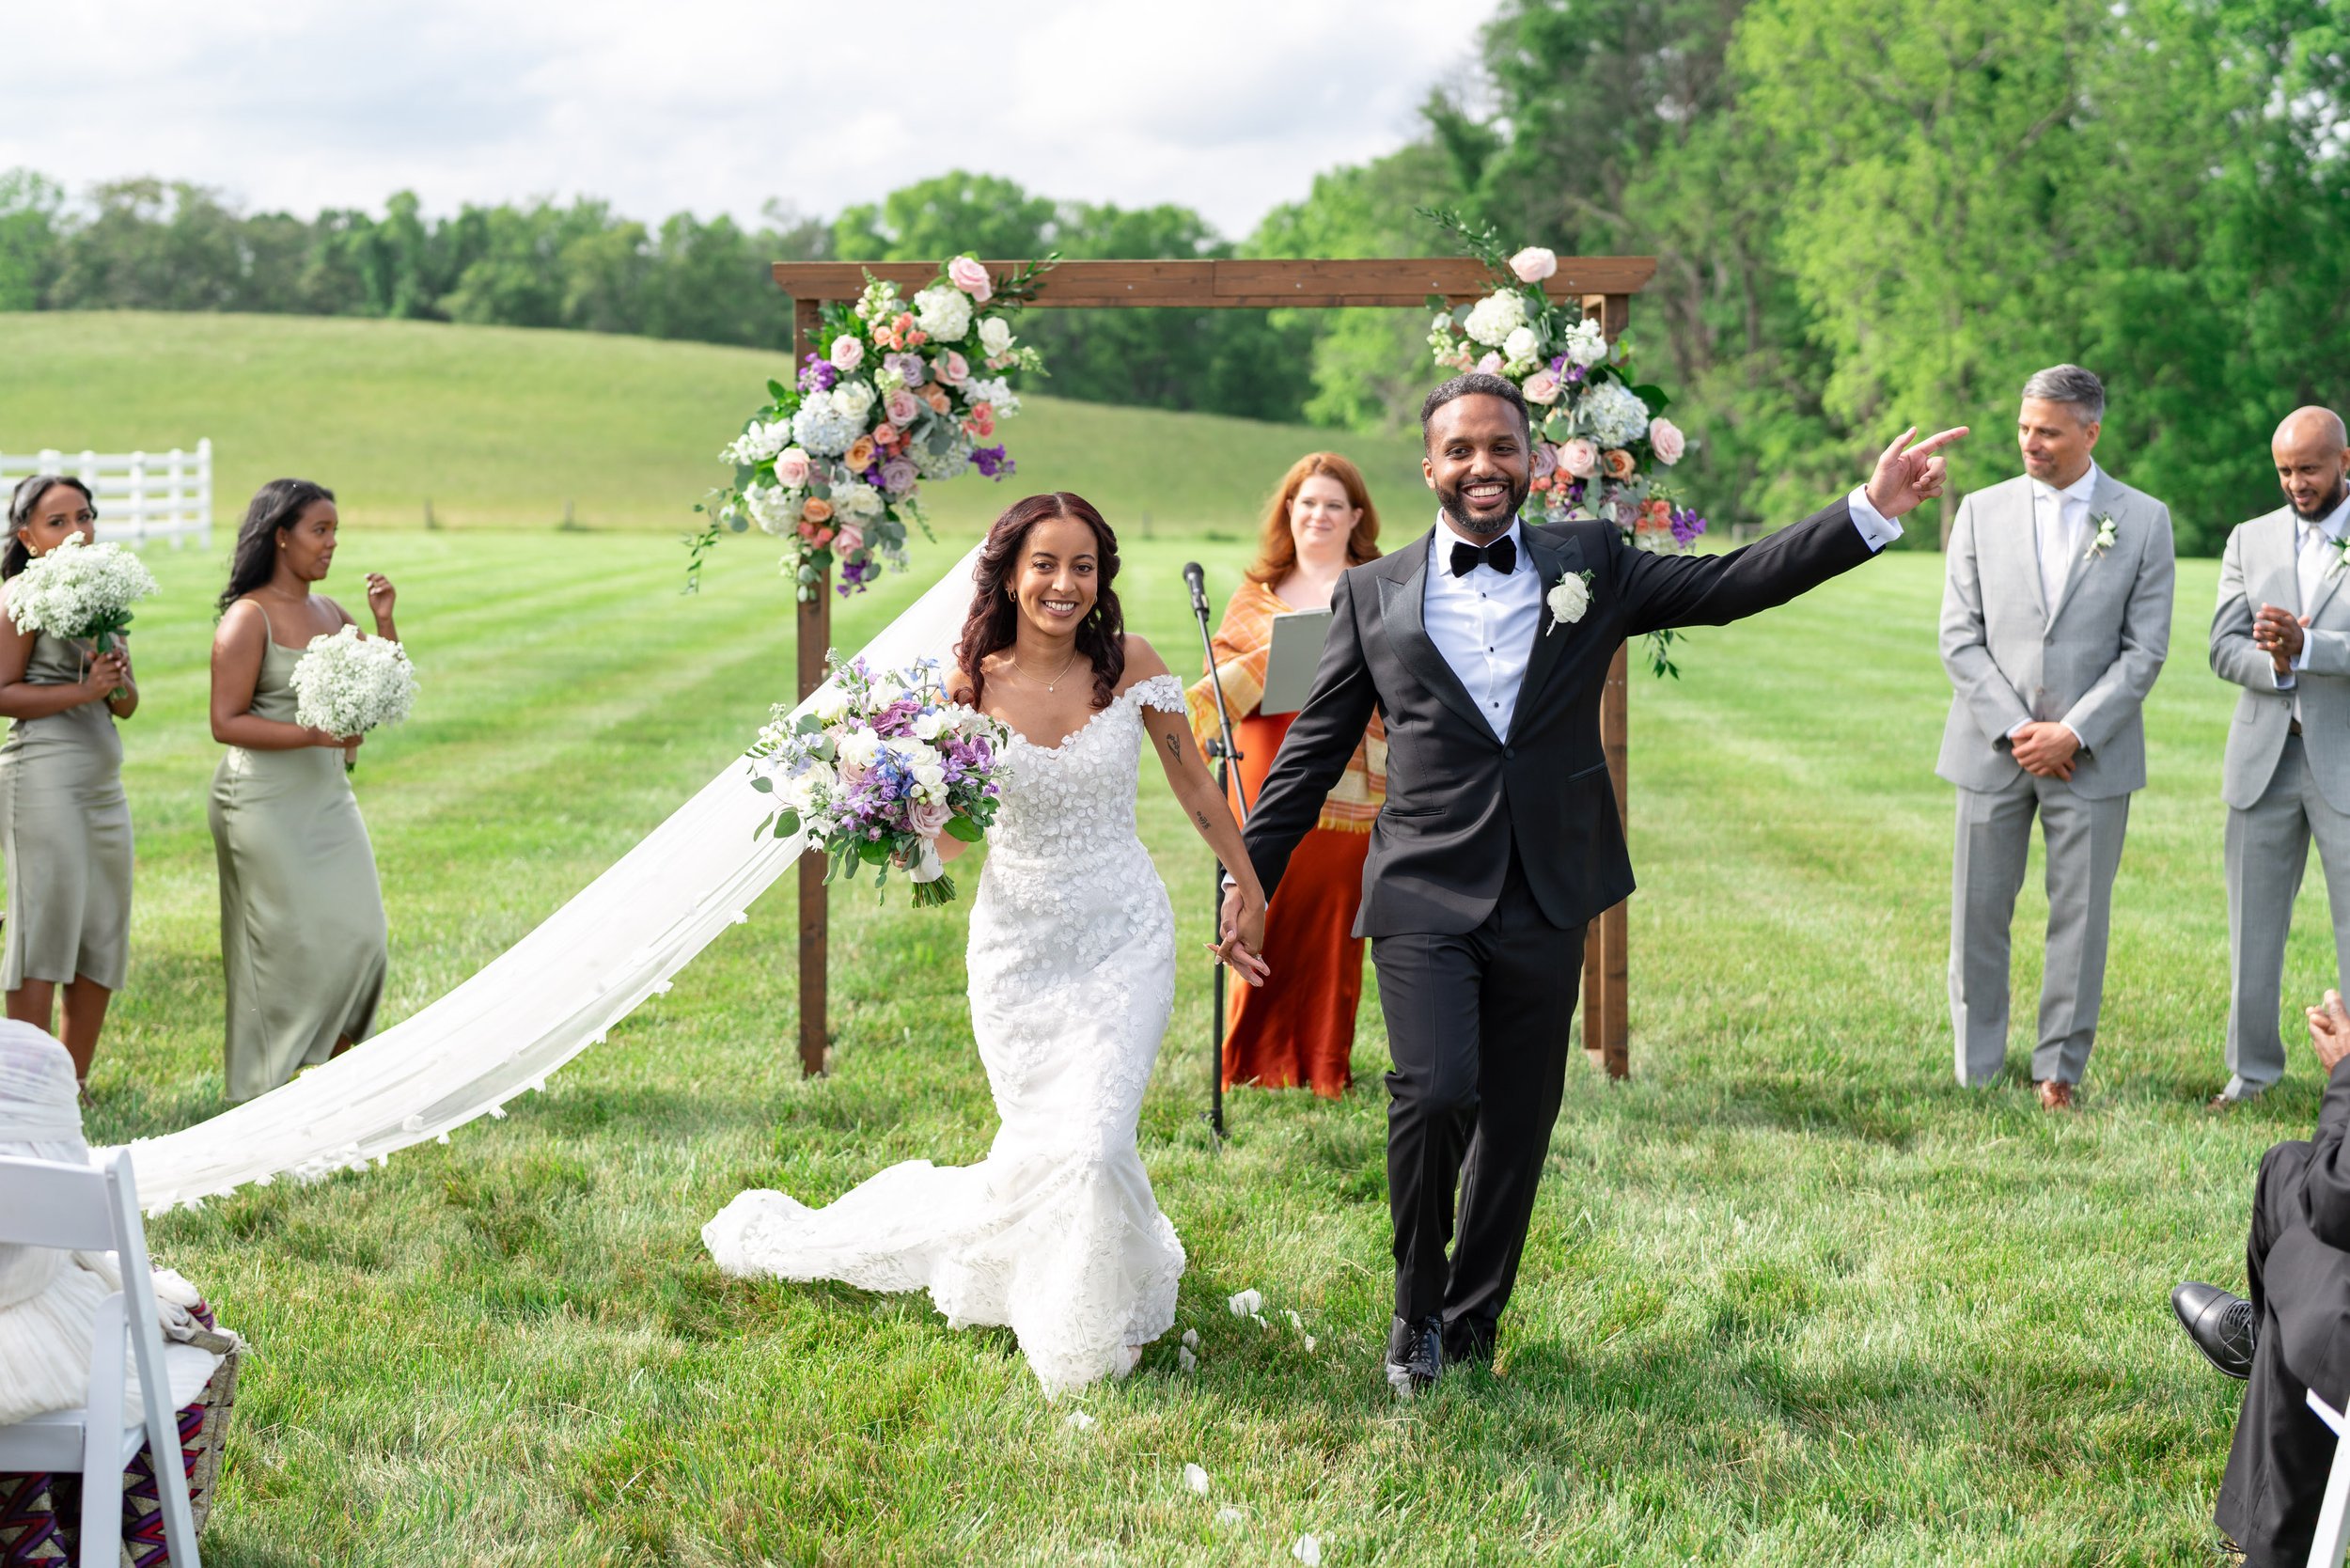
(860, 454)
(1618, 463)
(934, 395)
(1656, 514)
(816, 509)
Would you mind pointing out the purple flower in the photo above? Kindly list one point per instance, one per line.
(908, 366)
(819, 376)
(1686, 525)
(992, 462)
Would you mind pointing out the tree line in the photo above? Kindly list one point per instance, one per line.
(1865, 212)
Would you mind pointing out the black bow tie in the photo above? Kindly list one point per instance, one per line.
(1502, 554)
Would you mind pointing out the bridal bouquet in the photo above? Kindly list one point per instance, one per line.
(79, 591)
(1602, 447)
(904, 390)
(878, 768)
(346, 684)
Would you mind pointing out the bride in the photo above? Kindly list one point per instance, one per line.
(1072, 964)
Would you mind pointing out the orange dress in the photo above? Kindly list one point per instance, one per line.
(1298, 1028)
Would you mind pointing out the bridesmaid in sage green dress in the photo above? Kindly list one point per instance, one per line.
(64, 827)
(302, 931)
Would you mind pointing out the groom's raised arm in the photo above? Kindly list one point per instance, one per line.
(1319, 742)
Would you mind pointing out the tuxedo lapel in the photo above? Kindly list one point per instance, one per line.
(2024, 524)
(1400, 614)
(1550, 562)
(2327, 580)
(2269, 568)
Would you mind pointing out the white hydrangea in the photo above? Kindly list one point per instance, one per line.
(858, 499)
(1586, 343)
(346, 684)
(943, 312)
(78, 589)
(773, 507)
(948, 464)
(1494, 318)
(824, 426)
(1522, 346)
(1612, 414)
(996, 392)
(855, 399)
(995, 335)
(759, 443)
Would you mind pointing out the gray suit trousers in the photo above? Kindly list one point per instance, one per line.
(2268, 849)
(2084, 844)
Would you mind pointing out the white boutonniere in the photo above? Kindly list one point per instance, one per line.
(1568, 598)
(2341, 558)
(2103, 542)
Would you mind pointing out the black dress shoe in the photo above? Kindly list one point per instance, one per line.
(1414, 1355)
(2221, 1326)
(1467, 1342)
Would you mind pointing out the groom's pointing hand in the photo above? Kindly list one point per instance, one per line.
(1906, 474)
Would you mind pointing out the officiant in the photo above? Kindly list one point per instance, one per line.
(1298, 1028)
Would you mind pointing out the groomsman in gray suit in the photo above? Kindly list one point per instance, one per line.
(2056, 615)
(2282, 633)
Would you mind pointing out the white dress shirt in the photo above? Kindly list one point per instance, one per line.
(2060, 525)
(2316, 550)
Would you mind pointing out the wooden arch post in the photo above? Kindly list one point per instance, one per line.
(1603, 284)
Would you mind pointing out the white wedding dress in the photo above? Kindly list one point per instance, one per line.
(1072, 964)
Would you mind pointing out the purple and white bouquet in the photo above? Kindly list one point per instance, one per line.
(900, 391)
(877, 769)
(1602, 447)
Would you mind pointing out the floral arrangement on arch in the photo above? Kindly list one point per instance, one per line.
(1602, 447)
(904, 391)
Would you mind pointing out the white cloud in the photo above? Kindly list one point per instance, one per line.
(1228, 106)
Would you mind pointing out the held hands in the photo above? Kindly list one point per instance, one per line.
(1906, 474)
(2329, 1030)
(1242, 926)
(2277, 633)
(2048, 749)
(380, 595)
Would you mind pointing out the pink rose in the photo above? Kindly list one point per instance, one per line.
(1580, 457)
(1543, 387)
(849, 539)
(929, 817)
(847, 352)
(1666, 440)
(791, 468)
(902, 408)
(953, 369)
(1545, 461)
(1533, 264)
(1491, 365)
(970, 276)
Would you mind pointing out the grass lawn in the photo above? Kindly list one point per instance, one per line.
(1791, 1297)
(507, 426)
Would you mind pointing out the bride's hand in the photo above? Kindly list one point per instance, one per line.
(1244, 937)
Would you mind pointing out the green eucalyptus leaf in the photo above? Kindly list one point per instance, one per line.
(965, 829)
(764, 784)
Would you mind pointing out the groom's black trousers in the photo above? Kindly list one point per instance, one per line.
(1478, 1026)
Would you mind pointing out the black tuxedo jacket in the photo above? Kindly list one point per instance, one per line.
(1457, 795)
(2308, 1269)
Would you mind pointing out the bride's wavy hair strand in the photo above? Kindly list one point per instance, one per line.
(995, 617)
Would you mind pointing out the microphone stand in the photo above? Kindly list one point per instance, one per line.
(1222, 753)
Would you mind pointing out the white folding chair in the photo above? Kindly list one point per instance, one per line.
(67, 1206)
(2333, 1519)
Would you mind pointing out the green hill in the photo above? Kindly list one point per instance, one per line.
(505, 427)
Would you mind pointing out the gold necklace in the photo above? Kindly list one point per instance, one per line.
(1055, 682)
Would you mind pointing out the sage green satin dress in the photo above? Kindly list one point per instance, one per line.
(302, 929)
(65, 829)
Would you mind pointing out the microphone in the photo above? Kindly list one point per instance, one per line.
(1199, 581)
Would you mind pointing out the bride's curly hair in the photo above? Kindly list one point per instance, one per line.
(995, 616)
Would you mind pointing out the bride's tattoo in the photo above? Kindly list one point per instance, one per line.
(1175, 746)
(1201, 818)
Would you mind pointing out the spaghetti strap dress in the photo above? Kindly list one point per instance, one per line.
(302, 931)
(65, 831)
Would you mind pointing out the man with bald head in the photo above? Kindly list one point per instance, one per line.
(2282, 633)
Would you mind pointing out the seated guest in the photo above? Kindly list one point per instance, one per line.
(2293, 1334)
(301, 929)
(1298, 1028)
(48, 1312)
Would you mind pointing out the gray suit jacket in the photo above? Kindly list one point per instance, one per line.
(2259, 568)
(2089, 659)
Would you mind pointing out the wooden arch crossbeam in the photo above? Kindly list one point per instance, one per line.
(1603, 284)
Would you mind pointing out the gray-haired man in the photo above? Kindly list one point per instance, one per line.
(2282, 633)
(2056, 615)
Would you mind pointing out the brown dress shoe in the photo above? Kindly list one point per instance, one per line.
(2055, 1094)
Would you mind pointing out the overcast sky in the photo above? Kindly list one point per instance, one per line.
(1228, 106)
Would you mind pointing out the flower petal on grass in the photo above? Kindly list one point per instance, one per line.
(1185, 1359)
(1079, 1419)
(1307, 1550)
(1191, 1338)
(1228, 1514)
(1197, 1479)
(1247, 1303)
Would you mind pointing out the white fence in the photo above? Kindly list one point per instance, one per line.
(140, 495)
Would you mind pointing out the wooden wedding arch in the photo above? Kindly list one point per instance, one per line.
(1604, 285)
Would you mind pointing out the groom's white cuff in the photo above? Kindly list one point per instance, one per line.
(1876, 528)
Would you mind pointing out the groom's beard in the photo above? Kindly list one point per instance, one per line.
(2324, 509)
(1457, 511)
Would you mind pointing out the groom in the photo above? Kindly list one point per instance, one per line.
(1501, 837)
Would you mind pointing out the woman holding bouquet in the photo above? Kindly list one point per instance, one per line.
(301, 929)
(1299, 1027)
(64, 825)
(1071, 965)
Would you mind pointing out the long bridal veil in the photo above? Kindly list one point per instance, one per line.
(539, 1004)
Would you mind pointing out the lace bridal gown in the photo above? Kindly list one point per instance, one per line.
(1071, 965)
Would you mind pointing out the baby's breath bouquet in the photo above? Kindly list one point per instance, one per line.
(79, 591)
(346, 684)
